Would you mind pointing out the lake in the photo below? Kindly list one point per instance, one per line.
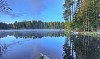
(29, 44)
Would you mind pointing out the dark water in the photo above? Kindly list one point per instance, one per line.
(54, 44)
(82, 47)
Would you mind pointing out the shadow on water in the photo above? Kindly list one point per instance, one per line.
(81, 47)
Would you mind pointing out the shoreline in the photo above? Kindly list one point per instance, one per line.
(33, 30)
(94, 33)
(87, 33)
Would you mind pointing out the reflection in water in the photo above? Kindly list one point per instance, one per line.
(82, 47)
(3, 49)
(13, 43)
(68, 49)
(32, 34)
(75, 46)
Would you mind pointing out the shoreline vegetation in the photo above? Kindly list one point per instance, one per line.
(94, 33)
(83, 20)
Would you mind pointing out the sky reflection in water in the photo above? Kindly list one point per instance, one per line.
(54, 44)
(29, 44)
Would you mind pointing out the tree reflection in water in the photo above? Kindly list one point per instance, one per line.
(82, 47)
(32, 34)
(68, 49)
(26, 34)
(3, 49)
(75, 46)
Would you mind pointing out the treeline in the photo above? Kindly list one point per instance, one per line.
(5, 26)
(33, 25)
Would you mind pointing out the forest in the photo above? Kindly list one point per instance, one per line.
(82, 15)
(32, 25)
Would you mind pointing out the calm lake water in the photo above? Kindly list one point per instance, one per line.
(55, 44)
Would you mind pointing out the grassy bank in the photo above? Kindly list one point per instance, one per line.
(94, 34)
(89, 33)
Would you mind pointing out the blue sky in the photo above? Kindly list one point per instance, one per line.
(44, 10)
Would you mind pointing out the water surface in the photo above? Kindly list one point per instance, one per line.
(28, 44)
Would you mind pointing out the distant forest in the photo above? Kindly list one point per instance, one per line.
(32, 25)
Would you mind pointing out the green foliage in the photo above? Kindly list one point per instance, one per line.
(67, 23)
(4, 26)
(33, 25)
(85, 16)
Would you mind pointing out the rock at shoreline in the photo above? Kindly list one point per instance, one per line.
(42, 56)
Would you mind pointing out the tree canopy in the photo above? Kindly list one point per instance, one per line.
(33, 25)
(83, 14)
(4, 7)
